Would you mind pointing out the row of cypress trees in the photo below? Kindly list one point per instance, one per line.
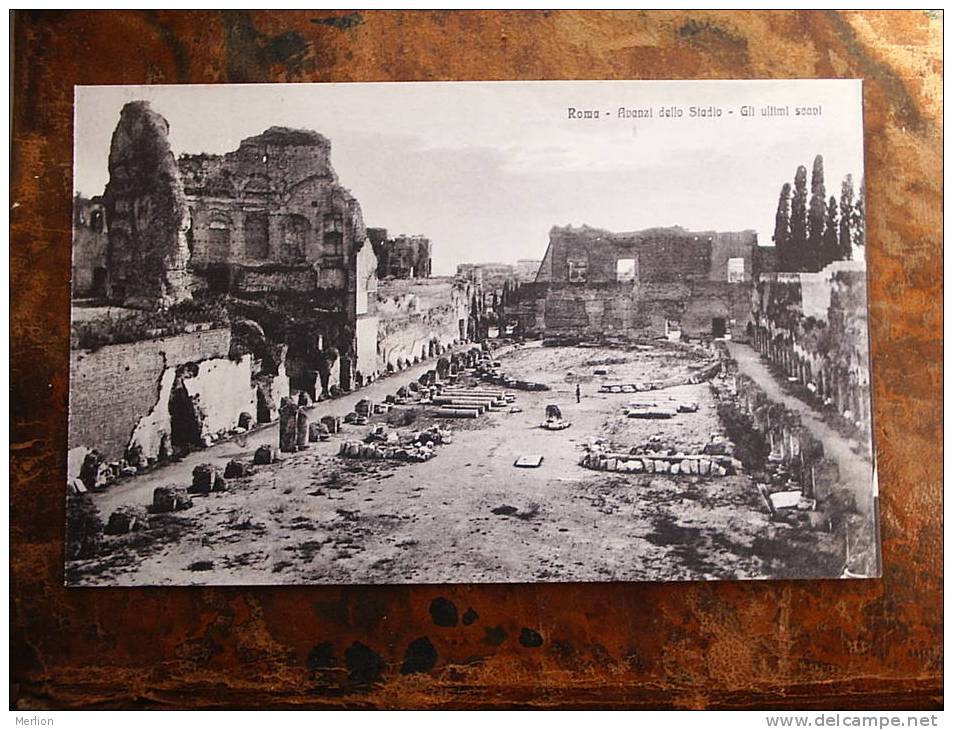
(812, 231)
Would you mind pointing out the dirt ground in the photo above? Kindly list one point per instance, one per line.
(319, 518)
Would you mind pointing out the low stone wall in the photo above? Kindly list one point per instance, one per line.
(674, 464)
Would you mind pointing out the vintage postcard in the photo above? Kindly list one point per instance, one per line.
(469, 332)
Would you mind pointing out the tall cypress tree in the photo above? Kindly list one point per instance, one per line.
(860, 219)
(782, 229)
(846, 232)
(815, 217)
(831, 250)
(798, 240)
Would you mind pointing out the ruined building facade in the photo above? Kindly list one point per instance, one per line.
(270, 220)
(643, 283)
(401, 257)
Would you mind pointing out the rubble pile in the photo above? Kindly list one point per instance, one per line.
(382, 443)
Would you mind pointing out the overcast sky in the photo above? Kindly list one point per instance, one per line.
(486, 169)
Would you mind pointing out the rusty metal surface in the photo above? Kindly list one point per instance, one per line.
(790, 644)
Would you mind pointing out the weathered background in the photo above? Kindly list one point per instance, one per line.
(806, 644)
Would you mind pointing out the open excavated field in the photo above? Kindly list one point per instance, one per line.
(469, 515)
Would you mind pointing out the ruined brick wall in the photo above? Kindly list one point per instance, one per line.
(618, 309)
(660, 255)
(263, 279)
(103, 415)
(526, 270)
(413, 314)
(635, 283)
(90, 247)
(403, 257)
(148, 218)
(276, 199)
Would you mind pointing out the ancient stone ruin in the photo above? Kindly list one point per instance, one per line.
(148, 218)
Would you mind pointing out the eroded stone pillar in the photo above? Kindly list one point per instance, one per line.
(148, 251)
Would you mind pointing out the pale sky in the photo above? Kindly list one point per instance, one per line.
(485, 169)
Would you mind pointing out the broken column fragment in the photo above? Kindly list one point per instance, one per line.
(288, 425)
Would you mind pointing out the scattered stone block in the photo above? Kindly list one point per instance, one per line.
(785, 500)
(170, 499)
(95, 472)
(135, 458)
(704, 467)
(236, 469)
(529, 461)
(203, 479)
(76, 486)
(674, 468)
(264, 454)
(126, 519)
(317, 431)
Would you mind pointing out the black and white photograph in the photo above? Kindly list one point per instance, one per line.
(469, 332)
